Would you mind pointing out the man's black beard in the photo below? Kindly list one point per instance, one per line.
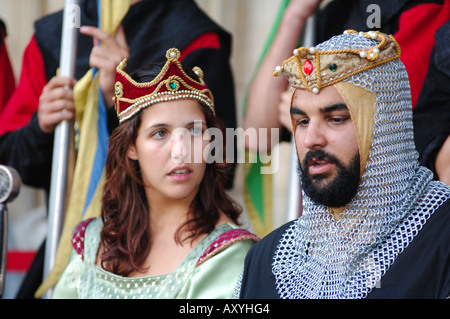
(340, 190)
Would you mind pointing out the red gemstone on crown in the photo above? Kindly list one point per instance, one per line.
(307, 67)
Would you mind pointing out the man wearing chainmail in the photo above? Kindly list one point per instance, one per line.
(374, 224)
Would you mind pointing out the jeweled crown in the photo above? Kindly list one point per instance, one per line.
(311, 69)
(172, 83)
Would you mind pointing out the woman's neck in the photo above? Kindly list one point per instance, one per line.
(167, 215)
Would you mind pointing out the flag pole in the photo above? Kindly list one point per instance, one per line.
(57, 196)
(294, 198)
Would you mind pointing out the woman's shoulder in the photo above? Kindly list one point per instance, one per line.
(227, 235)
(83, 234)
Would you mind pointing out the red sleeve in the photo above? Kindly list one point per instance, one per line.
(25, 99)
(7, 81)
(415, 36)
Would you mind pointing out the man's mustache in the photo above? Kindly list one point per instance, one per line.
(319, 154)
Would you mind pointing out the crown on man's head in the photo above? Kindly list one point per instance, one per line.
(310, 69)
(171, 84)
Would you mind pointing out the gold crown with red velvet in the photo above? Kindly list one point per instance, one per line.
(171, 84)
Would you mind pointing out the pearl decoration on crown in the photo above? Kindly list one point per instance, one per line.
(370, 54)
(278, 70)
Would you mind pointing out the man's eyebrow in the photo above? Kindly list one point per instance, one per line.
(294, 110)
(334, 107)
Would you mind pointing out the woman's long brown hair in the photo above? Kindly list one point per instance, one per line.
(125, 237)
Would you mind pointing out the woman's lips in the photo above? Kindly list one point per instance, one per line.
(180, 174)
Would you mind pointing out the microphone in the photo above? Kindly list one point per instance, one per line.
(10, 184)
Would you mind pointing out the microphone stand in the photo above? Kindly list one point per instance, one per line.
(10, 184)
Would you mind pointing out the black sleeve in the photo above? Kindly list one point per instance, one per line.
(29, 151)
(113, 120)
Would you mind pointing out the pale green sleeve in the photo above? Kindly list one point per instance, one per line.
(68, 283)
(216, 278)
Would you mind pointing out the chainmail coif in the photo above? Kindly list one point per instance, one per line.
(320, 257)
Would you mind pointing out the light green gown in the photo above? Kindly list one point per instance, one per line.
(213, 277)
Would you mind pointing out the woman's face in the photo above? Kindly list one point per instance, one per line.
(169, 148)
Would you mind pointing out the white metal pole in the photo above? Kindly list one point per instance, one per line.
(57, 197)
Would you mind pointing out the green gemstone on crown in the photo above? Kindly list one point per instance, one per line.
(333, 67)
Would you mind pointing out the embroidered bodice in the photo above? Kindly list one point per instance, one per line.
(92, 281)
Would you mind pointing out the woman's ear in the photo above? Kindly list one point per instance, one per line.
(131, 153)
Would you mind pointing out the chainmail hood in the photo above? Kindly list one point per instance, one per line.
(320, 257)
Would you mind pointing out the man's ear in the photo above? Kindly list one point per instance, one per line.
(131, 153)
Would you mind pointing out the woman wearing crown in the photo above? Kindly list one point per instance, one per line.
(167, 229)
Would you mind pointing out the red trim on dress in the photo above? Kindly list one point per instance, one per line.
(78, 237)
(225, 240)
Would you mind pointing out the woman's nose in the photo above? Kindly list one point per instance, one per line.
(180, 150)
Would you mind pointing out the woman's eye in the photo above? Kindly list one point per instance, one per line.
(159, 134)
(196, 131)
